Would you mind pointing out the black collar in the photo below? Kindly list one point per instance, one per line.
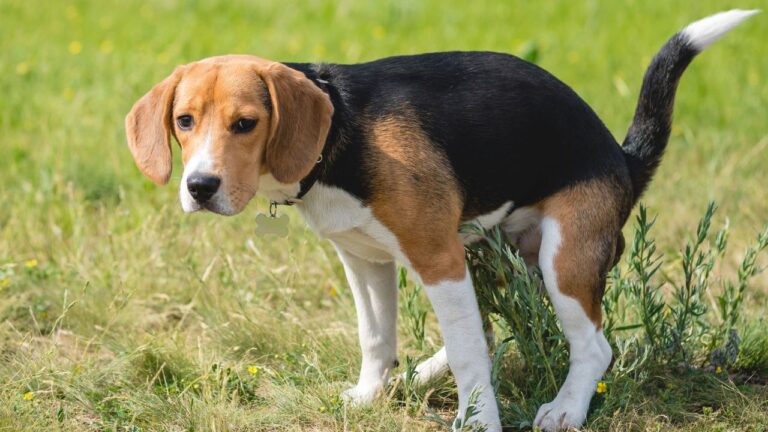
(307, 182)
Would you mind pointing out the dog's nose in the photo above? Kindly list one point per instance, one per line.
(202, 187)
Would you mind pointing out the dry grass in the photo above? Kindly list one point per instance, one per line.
(137, 317)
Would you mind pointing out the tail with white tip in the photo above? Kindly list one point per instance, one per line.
(648, 135)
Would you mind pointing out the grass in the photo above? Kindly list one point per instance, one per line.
(118, 312)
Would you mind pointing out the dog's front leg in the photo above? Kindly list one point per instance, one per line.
(374, 288)
(457, 312)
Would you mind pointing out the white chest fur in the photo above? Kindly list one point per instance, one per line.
(338, 216)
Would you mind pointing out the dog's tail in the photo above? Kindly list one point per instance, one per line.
(648, 135)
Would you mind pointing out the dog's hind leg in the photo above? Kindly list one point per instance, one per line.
(436, 366)
(578, 243)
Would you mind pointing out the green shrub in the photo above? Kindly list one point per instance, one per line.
(669, 329)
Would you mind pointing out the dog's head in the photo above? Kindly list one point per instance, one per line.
(236, 118)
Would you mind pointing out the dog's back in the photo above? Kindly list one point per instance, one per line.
(510, 130)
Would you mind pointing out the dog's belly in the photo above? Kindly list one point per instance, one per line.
(359, 243)
(339, 216)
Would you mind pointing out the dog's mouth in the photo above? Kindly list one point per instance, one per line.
(224, 206)
(208, 206)
(216, 208)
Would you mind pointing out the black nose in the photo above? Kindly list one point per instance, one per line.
(202, 187)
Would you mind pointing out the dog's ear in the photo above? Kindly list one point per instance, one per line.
(301, 118)
(148, 127)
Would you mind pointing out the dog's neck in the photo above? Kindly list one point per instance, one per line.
(340, 135)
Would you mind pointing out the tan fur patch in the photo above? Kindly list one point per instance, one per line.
(589, 215)
(416, 196)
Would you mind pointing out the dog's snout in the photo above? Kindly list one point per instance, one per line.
(202, 187)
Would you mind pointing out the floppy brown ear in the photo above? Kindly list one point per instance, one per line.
(148, 127)
(301, 118)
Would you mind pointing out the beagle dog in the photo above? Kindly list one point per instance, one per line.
(386, 159)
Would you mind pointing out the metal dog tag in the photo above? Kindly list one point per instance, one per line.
(272, 224)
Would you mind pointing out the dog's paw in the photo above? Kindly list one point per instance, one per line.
(555, 416)
(359, 395)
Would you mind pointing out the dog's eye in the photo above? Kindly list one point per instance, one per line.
(243, 125)
(185, 122)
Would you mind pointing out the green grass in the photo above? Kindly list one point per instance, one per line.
(138, 317)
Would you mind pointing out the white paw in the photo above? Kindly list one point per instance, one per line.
(487, 419)
(556, 416)
(429, 370)
(361, 395)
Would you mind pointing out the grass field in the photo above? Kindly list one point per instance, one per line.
(119, 312)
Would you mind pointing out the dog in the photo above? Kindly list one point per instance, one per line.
(386, 159)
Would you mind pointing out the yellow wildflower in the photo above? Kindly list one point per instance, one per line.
(163, 57)
(602, 387)
(718, 370)
(319, 50)
(753, 78)
(30, 263)
(22, 68)
(69, 94)
(294, 45)
(75, 47)
(379, 32)
(253, 370)
(332, 292)
(28, 396)
(106, 46)
(323, 409)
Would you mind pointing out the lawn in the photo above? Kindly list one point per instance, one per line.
(119, 312)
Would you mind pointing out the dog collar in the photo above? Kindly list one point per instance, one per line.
(305, 185)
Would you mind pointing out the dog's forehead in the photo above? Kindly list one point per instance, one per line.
(230, 80)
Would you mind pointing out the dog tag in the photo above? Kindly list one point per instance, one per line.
(272, 224)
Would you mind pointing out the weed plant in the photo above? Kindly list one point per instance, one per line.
(667, 318)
